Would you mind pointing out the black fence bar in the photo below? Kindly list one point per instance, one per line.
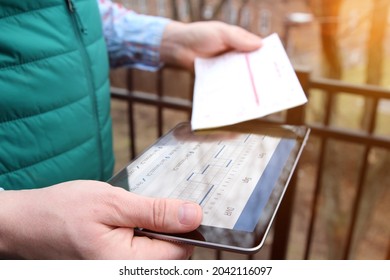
(151, 99)
(362, 178)
(314, 205)
(130, 110)
(388, 249)
(319, 177)
(357, 137)
(160, 85)
(282, 225)
(336, 86)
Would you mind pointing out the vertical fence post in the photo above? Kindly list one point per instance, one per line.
(362, 178)
(160, 89)
(282, 224)
(130, 113)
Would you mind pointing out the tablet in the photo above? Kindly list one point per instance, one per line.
(237, 174)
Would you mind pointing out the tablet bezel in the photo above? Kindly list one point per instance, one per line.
(229, 239)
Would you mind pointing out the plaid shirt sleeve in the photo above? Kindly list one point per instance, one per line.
(133, 40)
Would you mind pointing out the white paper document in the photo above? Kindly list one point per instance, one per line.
(236, 86)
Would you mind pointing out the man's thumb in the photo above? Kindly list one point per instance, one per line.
(158, 214)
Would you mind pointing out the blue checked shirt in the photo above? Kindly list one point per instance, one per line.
(133, 40)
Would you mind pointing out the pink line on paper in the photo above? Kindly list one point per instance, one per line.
(252, 79)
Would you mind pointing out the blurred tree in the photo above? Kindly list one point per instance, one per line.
(331, 66)
(328, 12)
(197, 10)
(375, 189)
(375, 51)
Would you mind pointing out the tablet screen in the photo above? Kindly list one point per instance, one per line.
(237, 174)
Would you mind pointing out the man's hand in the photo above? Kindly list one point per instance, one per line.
(91, 220)
(182, 42)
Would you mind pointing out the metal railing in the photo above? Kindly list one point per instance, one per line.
(324, 132)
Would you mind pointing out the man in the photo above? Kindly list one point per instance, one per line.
(55, 127)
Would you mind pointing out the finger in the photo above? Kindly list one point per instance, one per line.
(240, 39)
(120, 243)
(146, 248)
(157, 214)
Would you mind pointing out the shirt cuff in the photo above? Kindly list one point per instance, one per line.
(133, 40)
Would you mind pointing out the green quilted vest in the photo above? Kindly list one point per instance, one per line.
(55, 123)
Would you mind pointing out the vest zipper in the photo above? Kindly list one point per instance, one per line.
(70, 5)
(80, 30)
(72, 9)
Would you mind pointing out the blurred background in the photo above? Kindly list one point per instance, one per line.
(338, 204)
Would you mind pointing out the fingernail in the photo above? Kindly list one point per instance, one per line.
(188, 213)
